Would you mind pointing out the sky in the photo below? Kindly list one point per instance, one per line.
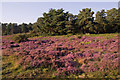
(19, 12)
(59, 0)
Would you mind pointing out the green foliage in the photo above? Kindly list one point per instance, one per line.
(79, 36)
(85, 20)
(13, 28)
(68, 35)
(101, 21)
(58, 22)
(20, 38)
(113, 74)
(72, 38)
(32, 34)
(55, 22)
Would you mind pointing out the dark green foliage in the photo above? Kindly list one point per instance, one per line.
(4, 31)
(24, 28)
(13, 28)
(101, 21)
(58, 22)
(111, 17)
(52, 23)
(20, 38)
(85, 21)
(118, 21)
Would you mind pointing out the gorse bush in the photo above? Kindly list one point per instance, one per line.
(20, 38)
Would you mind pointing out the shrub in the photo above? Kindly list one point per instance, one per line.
(72, 38)
(20, 38)
(32, 34)
(80, 36)
(68, 35)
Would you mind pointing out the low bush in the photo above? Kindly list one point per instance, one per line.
(20, 38)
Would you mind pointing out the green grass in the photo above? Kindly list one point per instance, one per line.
(107, 36)
(108, 74)
(11, 69)
(10, 66)
(102, 35)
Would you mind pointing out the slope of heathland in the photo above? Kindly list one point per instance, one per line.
(67, 56)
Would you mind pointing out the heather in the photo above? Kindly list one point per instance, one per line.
(66, 56)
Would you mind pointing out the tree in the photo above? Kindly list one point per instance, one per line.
(101, 21)
(29, 26)
(111, 17)
(70, 26)
(118, 21)
(4, 26)
(52, 22)
(58, 22)
(85, 20)
(8, 28)
(24, 28)
(14, 28)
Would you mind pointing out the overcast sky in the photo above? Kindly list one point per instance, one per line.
(19, 12)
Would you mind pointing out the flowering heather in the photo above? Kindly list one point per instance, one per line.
(61, 56)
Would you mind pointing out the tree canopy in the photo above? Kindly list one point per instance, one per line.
(59, 22)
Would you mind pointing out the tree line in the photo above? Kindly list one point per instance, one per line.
(58, 22)
(14, 28)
